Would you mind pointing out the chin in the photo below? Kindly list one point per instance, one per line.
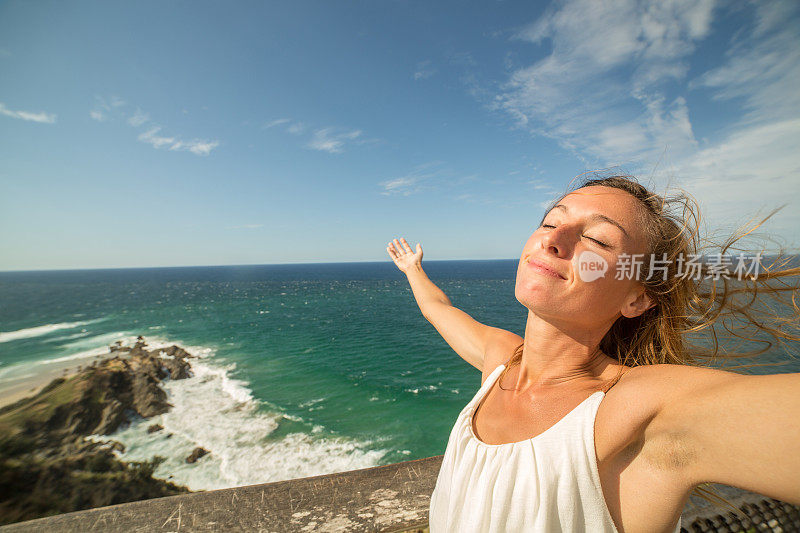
(532, 299)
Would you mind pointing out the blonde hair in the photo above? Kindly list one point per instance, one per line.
(685, 306)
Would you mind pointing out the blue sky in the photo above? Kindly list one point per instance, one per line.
(212, 133)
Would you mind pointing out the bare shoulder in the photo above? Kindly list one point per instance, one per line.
(670, 381)
(645, 402)
(499, 350)
(636, 446)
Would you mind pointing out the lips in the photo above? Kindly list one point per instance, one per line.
(544, 268)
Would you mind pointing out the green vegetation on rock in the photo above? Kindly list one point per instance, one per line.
(47, 466)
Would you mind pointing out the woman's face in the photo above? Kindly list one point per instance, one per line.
(582, 239)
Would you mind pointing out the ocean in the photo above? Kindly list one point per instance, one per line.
(304, 369)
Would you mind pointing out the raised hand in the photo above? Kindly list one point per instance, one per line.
(403, 256)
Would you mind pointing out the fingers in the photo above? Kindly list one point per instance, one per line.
(392, 252)
(398, 248)
(406, 246)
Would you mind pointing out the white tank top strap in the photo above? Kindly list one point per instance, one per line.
(547, 483)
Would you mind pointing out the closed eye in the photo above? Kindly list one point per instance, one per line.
(601, 243)
(604, 245)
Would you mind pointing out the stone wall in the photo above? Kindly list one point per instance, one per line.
(390, 498)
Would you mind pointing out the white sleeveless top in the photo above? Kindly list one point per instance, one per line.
(549, 483)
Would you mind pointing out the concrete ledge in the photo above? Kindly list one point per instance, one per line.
(390, 498)
(384, 498)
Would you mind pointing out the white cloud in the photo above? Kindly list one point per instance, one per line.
(151, 137)
(424, 70)
(755, 164)
(138, 118)
(103, 108)
(196, 146)
(330, 139)
(540, 185)
(599, 91)
(754, 168)
(763, 69)
(108, 108)
(326, 140)
(41, 116)
(297, 128)
(415, 181)
(612, 89)
(276, 122)
(546, 203)
(399, 185)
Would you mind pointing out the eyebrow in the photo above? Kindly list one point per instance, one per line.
(597, 217)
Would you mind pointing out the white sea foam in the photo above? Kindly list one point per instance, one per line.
(424, 387)
(25, 369)
(97, 345)
(16, 378)
(81, 334)
(213, 410)
(92, 346)
(38, 331)
(309, 403)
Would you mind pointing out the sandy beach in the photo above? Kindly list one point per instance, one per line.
(13, 389)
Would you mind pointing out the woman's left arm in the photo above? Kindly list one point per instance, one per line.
(739, 430)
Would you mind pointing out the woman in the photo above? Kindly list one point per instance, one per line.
(600, 419)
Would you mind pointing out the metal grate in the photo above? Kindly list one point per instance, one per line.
(764, 515)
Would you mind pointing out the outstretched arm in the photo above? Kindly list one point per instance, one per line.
(739, 430)
(465, 335)
(410, 263)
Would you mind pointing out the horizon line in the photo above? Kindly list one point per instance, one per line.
(237, 265)
(20, 271)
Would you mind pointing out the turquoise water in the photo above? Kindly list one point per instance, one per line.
(305, 369)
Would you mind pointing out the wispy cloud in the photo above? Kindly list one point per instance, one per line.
(5, 52)
(41, 116)
(599, 91)
(613, 90)
(103, 107)
(332, 140)
(540, 185)
(195, 146)
(762, 71)
(328, 140)
(276, 122)
(424, 70)
(138, 118)
(418, 179)
(117, 108)
(762, 68)
(297, 128)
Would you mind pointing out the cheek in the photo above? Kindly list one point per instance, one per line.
(596, 275)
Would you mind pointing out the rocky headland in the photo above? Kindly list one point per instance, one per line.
(47, 466)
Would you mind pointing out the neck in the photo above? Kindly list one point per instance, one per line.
(557, 355)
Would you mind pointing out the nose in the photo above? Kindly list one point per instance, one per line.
(556, 241)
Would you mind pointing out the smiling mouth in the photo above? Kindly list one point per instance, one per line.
(543, 269)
